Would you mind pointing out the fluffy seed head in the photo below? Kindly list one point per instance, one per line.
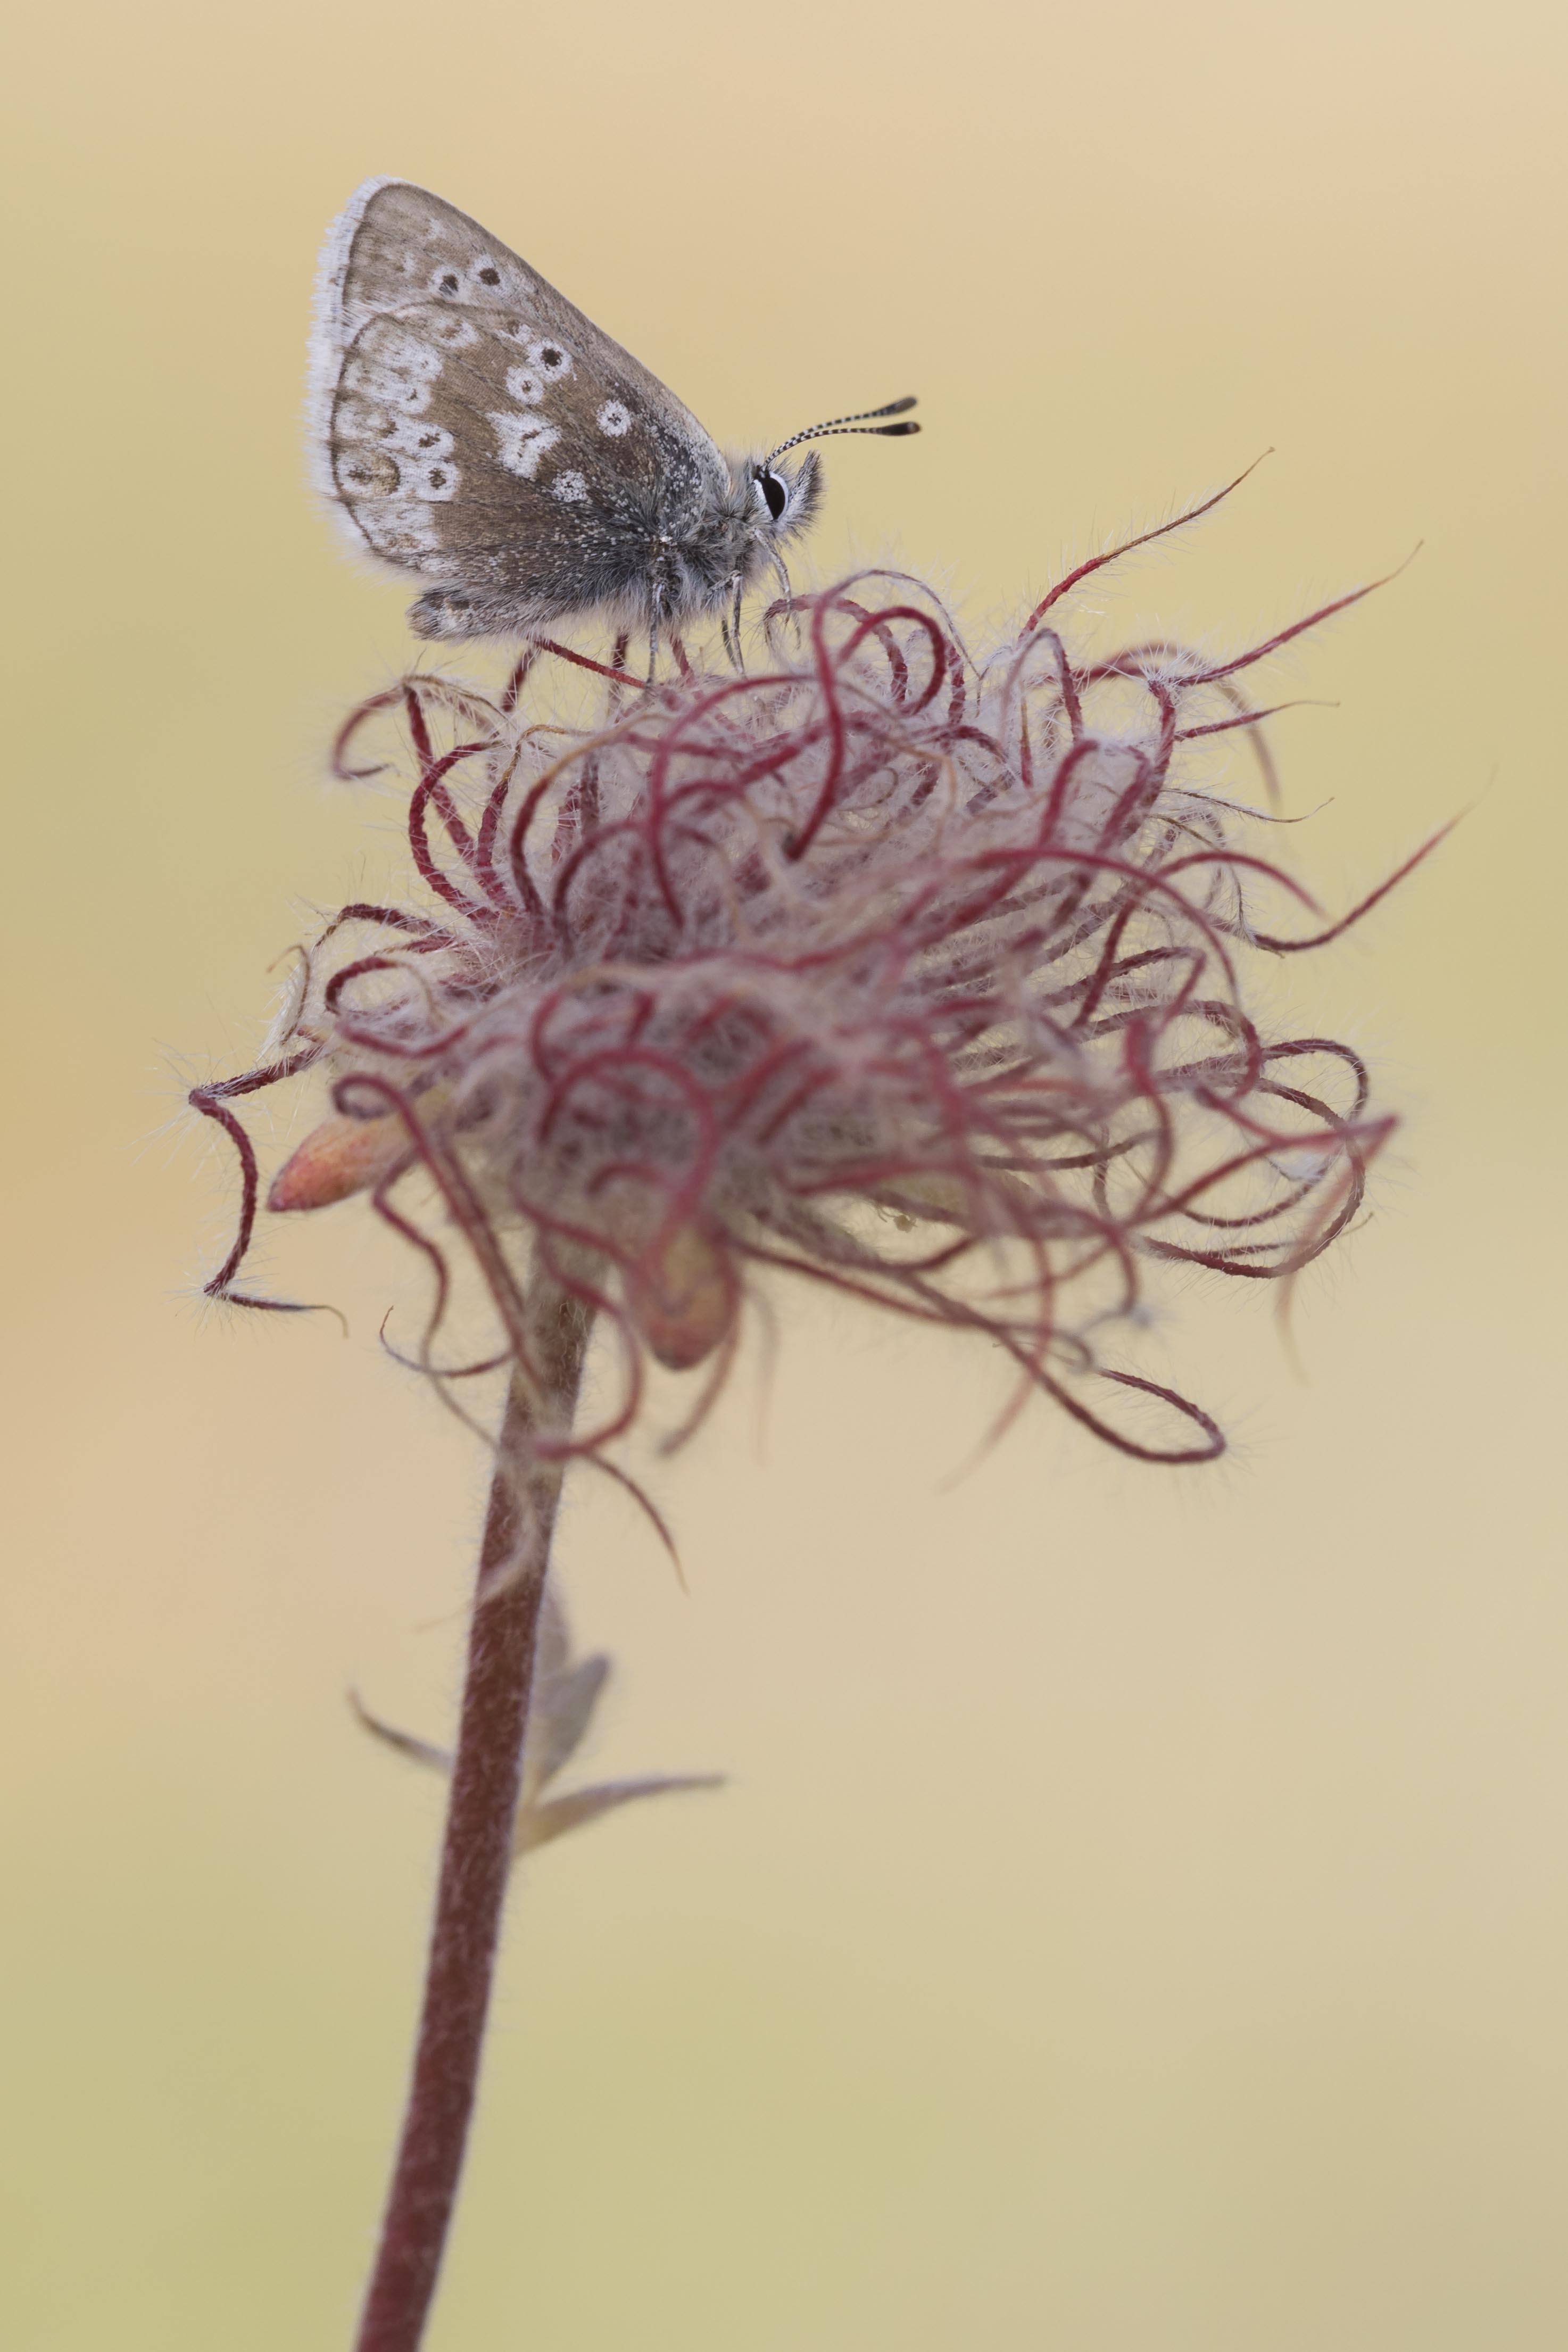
(919, 975)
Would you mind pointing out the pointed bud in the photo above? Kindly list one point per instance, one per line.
(682, 1297)
(340, 1157)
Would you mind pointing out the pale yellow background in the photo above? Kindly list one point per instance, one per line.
(1139, 1919)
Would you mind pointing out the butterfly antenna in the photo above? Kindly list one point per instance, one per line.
(856, 424)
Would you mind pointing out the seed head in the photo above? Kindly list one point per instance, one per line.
(923, 976)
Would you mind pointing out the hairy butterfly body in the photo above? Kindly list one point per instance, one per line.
(476, 430)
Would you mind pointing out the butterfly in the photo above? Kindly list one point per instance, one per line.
(474, 429)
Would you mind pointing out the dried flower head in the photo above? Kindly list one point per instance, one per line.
(919, 976)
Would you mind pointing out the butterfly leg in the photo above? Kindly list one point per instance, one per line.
(729, 630)
(617, 662)
(785, 607)
(655, 603)
(782, 570)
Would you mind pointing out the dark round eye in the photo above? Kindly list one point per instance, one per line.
(773, 490)
(489, 277)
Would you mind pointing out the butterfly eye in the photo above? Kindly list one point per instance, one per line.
(771, 491)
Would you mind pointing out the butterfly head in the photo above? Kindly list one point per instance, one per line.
(787, 495)
(784, 498)
(779, 498)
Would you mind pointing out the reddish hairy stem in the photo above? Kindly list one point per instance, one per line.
(476, 1852)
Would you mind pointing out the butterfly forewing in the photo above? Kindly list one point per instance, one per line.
(476, 428)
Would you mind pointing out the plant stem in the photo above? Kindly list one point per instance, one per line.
(476, 1852)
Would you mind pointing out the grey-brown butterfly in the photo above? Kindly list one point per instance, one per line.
(475, 429)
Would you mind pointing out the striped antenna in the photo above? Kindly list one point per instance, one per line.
(848, 425)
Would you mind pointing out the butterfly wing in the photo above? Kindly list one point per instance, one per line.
(476, 429)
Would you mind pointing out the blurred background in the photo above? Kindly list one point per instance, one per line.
(1138, 1920)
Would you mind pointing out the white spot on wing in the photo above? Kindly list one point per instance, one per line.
(415, 438)
(569, 488)
(525, 386)
(401, 528)
(394, 368)
(453, 331)
(359, 420)
(552, 360)
(404, 351)
(614, 419)
(523, 441)
(408, 393)
(364, 473)
(434, 482)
